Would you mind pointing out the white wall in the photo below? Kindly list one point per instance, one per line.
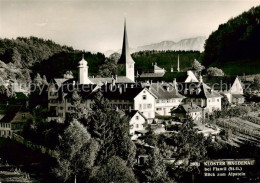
(191, 77)
(145, 104)
(164, 106)
(137, 122)
(213, 104)
(237, 87)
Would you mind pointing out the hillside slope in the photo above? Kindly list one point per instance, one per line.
(235, 46)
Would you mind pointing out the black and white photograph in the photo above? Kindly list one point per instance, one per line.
(129, 91)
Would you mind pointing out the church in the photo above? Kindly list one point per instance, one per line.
(126, 68)
(121, 90)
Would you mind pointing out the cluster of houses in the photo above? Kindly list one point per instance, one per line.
(144, 98)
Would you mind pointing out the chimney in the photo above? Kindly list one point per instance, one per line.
(116, 77)
(130, 108)
(116, 108)
(74, 82)
(120, 89)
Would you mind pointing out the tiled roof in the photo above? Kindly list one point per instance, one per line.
(167, 76)
(120, 79)
(237, 96)
(13, 115)
(186, 108)
(151, 75)
(190, 90)
(165, 91)
(131, 113)
(59, 81)
(121, 94)
(223, 83)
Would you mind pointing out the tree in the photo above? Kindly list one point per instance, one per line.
(109, 68)
(115, 170)
(78, 112)
(38, 80)
(214, 71)
(256, 82)
(111, 131)
(155, 168)
(190, 147)
(150, 137)
(197, 66)
(76, 153)
(224, 103)
(16, 58)
(44, 80)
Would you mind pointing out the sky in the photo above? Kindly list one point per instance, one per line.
(98, 25)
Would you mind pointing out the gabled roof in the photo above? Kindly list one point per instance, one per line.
(121, 94)
(190, 90)
(132, 113)
(223, 83)
(59, 81)
(164, 91)
(156, 67)
(14, 115)
(167, 76)
(186, 108)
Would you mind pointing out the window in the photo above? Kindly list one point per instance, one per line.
(158, 109)
(137, 126)
(137, 117)
(144, 97)
(217, 100)
(149, 106)
(140, 106)
(213, 100)
(209, 100)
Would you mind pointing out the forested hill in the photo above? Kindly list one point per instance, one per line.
(235, 46)
(165, 59)
(25, 52)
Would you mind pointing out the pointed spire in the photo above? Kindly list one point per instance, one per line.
(125, 55)
(178, 64)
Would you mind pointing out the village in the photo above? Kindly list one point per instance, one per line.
(146, 98)
(65, 119)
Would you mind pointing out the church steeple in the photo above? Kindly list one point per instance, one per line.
(83, 71)
(125, 55)
(126, 62)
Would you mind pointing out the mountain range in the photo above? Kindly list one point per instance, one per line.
(195, 44)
